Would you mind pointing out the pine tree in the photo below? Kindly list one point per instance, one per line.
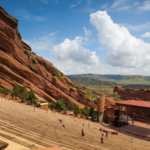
(16, 90)
(32, 96)
(70, 105)
(24, 93)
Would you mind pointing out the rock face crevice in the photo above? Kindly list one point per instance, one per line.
(19, 65)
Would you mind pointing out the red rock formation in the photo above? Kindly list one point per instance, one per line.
(19, 65)
(128, 93)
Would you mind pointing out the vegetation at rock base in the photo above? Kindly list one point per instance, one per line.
(60, 105)
(5, 91)
(38, 105)
(32, 96)
(91, 111)
(53, 105)
(24, 93)
(85, 113)
(16, 90)
(94, 115)
(76, 109)
(70, 106)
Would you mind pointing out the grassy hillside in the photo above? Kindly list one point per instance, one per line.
(92, 82)
(105, 86)
(119, 79)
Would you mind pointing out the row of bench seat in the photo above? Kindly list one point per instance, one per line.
(41, 128)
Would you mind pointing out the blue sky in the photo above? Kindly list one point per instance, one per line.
(87, 36)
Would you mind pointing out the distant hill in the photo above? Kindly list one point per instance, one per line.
(119, 79)
(92, 82)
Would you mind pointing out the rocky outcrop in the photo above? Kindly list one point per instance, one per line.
(128, 93)
(19, 65)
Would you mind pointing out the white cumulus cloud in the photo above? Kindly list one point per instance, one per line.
(147, 35)
(123, 48)
(73, 51)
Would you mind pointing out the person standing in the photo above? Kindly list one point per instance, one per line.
(102, 139)
(58, 121)
(82, 133)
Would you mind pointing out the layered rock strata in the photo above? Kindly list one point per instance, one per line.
(19, 65)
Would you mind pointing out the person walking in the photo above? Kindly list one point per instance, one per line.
(58, 121)
(102, 139)
(82, 133)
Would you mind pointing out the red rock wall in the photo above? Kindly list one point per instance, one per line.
(34, 72)
(128, 93)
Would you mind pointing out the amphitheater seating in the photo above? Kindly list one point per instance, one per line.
(40, 128)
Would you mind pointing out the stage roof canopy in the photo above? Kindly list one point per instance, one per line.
(134, 104)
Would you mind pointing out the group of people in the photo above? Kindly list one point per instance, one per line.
(60, 121)
(102, 137)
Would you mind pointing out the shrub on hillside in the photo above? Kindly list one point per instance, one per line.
(56, 74)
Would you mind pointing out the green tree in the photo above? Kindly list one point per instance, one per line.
(86, 108)
(32, 96)
(24, 93)
(94, 115)
(12, 94)
(86, 113)
(91, 111)
(53, 105)
(76, 109)
(60, 105)
(5, 91)
(70, 105)
(16, 90)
